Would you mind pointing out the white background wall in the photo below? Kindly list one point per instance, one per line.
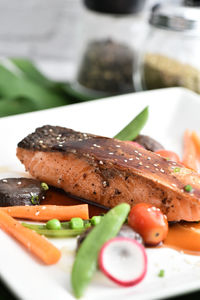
(41, 29)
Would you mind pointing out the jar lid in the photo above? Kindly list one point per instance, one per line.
(176, 18)
(115, 6)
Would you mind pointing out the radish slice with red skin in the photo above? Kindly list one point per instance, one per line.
(123, 260)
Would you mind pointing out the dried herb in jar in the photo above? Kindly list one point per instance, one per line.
(107, 66)
(161, 71)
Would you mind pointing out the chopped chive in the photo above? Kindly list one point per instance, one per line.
(188, 188)
(161, 273)
(44, 186)
(177, 169)
(34, 199)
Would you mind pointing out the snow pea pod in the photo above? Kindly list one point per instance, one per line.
(54, 233)
(131, 131)
(85, 263)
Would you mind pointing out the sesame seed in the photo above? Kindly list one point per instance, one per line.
(100, 162)
(140, 163)
(135, 151)
(125, 160)
(60, 145)
(174, 163)
(5, 180)
(147, 167)
(137, 158)
(111, 153)
(140, 154)
(173, 184)
(95, 145)
(161, 170)
(41, 142)
(80, 140)
(130, 158)
(50, 130)
(43, 207)
(58, 138)
(84, 134)
(37, 213)
(73, 151)
(118, 146)
(43, 197)
(149, 158)
(157, 169)
(104, 183)
(19, 182)
(156, 165)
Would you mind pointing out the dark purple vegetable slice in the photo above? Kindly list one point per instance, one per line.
(148, 143)
(21, 191)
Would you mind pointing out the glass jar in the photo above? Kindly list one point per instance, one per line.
(171, 55)
(106, 52)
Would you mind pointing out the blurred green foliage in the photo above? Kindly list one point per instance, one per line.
(23, 88)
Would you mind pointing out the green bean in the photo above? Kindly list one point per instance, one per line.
(85, 263)
(56, 233)
(131, 131)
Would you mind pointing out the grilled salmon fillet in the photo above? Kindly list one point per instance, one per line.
(108, 171)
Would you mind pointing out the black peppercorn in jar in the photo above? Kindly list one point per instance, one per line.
(107, 55)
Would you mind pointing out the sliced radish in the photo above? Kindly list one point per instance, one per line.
(123, 260)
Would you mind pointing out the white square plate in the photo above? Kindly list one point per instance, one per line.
(171, 112)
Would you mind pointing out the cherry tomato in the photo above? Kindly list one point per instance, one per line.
(169, 155)
(149, 222)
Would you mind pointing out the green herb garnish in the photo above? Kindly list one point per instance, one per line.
(161, 273)
(34, 199)
(131, 131)
(177, 169)
(44, 186)
(188, 188)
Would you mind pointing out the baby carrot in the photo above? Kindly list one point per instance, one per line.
(196, 140)
(35, 243)
(190, 159)
(48, 212)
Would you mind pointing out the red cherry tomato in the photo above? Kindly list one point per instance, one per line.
(149, 222)
(169, 155)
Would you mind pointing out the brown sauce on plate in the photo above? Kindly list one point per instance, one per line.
(182, 236)
(59, 197)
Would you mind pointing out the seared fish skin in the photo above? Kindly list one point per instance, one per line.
(108, 171)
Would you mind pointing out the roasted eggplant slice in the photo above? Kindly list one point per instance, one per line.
(21, 191)
(148, 143)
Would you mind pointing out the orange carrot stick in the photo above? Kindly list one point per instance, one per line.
(48, 212)
(35, 243)
(190, 159)
(196, 141)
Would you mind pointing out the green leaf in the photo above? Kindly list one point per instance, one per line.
(10, 107)
(31, 71)
(131, 131)
(13, 86)
(67, 87)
